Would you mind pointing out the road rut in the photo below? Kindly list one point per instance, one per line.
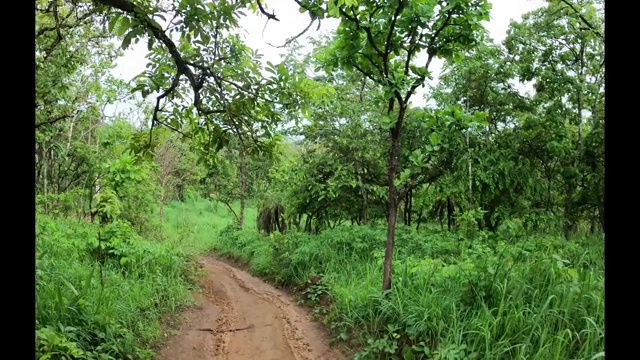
(240, 317)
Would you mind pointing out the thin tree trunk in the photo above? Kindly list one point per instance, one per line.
(406, 216)
(580, 95)
(393, 199)
(419, 221)
(469, 158)
(92, 214)
(570, 188)
(601, 217)
(38, 167)
(73, 121)
(404, 209)
(365, 217)
(307, 224)
(243, 187)
(365, 206)
(409, 203)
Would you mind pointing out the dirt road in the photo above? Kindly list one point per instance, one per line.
(241, 317)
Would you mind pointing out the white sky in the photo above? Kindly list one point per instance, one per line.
(293, 22)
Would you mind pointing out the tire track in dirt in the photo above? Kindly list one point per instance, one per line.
(242, 317)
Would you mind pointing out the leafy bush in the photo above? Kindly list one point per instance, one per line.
(135, 187)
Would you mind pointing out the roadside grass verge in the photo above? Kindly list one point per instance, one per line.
(107, 297)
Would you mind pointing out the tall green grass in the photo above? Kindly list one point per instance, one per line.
(194, 224)
(107, 299)
(490, 296)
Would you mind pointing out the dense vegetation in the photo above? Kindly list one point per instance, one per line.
(468, 228)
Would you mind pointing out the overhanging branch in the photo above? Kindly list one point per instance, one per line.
(584, 20)
(271, 16)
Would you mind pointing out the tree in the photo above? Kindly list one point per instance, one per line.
(497, 177)
(560, 47)
(72, 86)
(381, 40)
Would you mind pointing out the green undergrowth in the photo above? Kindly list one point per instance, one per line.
(104, 294)
(452, 297)
(194, 224)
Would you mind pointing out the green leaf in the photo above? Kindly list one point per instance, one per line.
(113, 22)
(387, 121)
(458, 57)
(124, 24)
(480, 117)
(434, 138)
(127, 39)
(70, 286)
(206, 39)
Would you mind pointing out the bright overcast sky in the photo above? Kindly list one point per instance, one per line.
(293, 22)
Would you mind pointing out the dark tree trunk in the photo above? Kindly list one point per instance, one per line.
(404, 209)
(278, 215)
(365, 215)
(419, 221)
(180, 191)
(319, 223)
(365, 206)
(393, 199)
(406, 217)
(307, 224)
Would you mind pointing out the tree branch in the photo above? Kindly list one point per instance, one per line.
(182, 67)
(366, 29)
(53, 121)
(230, 208)
(587, 23)
(435, 35)
(376, 66)
(294, 38)
(413, 43)
(271, 16)
(387, 46)
(367, 74)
